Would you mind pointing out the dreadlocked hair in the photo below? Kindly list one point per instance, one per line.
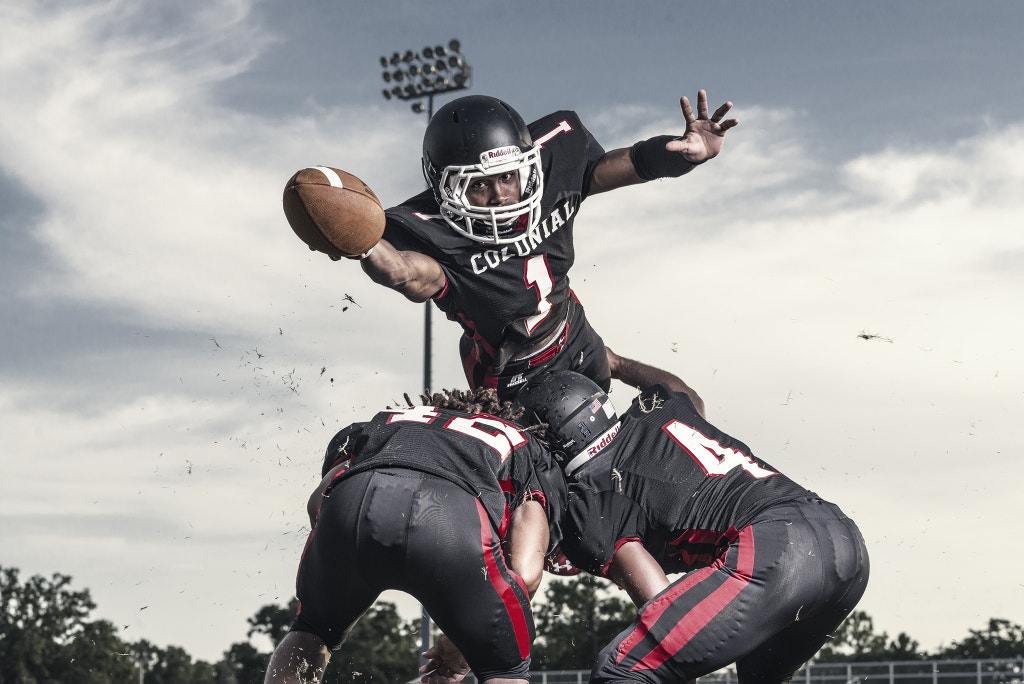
(483, 400)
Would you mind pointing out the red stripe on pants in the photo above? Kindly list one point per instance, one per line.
(514, 608)
(697, 617)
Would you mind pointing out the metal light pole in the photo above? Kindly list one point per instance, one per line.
(413, 76)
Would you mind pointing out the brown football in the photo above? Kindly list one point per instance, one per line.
(333, 212)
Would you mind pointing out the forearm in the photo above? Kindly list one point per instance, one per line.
(615, 170)
(415, 275)
(636, 571)
(526, 543)
(637, 374)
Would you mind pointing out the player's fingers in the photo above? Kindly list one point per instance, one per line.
(721, 112)
(702, 104)
(684, 104)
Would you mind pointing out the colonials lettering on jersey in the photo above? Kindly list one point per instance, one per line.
(531, 240)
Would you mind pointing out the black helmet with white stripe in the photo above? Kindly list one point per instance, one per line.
(580, 416)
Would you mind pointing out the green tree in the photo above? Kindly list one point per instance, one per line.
(95, 656)
(273, 621)
(242, 664)
(856, 641)
(175, 666)
(576, 620)
(1000, 639)
(904, 648)
(381, 648)
(45, 635)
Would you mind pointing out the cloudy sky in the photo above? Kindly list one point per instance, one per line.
(844, 285)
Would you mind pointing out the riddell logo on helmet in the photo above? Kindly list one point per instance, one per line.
(606, 439)
(500, 155)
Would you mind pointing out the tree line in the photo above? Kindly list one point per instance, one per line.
(47, 636)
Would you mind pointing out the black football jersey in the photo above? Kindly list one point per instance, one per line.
(493, 460)
(671, 480)
(504, 295)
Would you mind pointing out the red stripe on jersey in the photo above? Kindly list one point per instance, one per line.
(516, 612)
(506, 521)
(506, 516)
(490, 380)
(700, 548)
(474, 359)
(537, 495)
(480, 342)
(698, 616)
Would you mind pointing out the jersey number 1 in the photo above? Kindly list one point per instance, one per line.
(537, 273)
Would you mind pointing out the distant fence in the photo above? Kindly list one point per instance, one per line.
(999, 671)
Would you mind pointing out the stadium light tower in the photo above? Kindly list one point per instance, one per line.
(415, 76)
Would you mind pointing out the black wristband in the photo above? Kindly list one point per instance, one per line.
(651, 160)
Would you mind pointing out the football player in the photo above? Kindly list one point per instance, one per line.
(491, 239)
(772, 569)
(457, 509)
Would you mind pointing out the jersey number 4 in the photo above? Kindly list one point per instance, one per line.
(713, 458)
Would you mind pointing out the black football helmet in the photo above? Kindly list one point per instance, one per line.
(580, 416)
(482, 136)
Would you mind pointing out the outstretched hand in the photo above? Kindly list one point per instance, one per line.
(445, 664)
(704, 136)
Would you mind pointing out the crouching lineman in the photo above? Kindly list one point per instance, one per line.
(456, 509)
(772, 569)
